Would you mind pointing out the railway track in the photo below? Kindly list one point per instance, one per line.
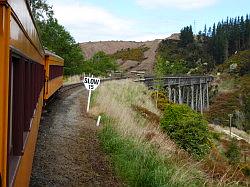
(62, 90)
(66, 88)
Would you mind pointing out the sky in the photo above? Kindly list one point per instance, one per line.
(141, 20)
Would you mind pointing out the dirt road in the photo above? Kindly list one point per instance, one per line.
(68, 151)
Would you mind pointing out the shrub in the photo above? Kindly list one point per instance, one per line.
(246, 169)
(187, 128)
(215, 135)
(161, 99)
(135, 54)
(242, 62)
(233, 152)
(223, 104)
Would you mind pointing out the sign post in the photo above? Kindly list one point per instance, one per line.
(90, 84)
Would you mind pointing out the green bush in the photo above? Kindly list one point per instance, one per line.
(136, 54)
(242, 61)
(233, 152)
(215, 135)
(99, 64)
(161, 99)
(187, 128)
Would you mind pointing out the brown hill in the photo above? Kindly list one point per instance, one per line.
(111, 47)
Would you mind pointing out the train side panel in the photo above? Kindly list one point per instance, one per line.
(22, 43)
(22, 12)
(25, 167)
(54, 74)
(53, 86)
(26, 87)
(4, 88)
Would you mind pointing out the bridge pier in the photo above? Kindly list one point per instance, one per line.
(191, 90)
(201, 99)
(180, 98)
(207, 95)
(195, 96)
(192, 96)
(196, 99)
(174, 95)
(169, 93)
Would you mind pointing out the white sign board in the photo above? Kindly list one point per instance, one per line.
(91, 83)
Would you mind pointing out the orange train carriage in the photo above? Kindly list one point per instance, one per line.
(28, 75)
(53, 73)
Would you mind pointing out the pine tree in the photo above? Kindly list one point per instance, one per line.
(186, 36)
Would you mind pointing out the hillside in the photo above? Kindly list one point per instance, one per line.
(145, 149)
(233, 92)
(111, 47)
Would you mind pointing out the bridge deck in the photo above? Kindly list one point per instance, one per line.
(177, 81)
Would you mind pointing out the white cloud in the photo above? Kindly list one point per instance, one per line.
(88, 22)
(179, 4)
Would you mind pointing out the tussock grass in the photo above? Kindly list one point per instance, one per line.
(117, 99)
(139, 164)
(141, 153)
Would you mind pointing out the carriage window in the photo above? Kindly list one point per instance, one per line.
(11, 104)
(55, 71)
(17, 105)
(27, 81)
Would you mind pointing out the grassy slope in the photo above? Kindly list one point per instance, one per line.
(140, 151)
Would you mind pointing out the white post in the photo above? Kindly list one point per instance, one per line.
(98, 121)
(88, 100)
(230, 124)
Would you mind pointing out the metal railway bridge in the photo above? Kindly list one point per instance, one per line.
(191, 90)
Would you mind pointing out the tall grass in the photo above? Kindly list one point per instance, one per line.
(140, 152)
(145, 143)
(138, 162)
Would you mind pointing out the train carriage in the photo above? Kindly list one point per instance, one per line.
(22, 77)
(53, 74)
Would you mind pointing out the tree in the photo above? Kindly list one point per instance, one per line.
(41, 10)
(56, 38)
(186, 36)
(228, 37)
(99, 64)
(205, 30)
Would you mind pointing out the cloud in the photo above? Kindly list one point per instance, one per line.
(179, 4)
(88, 22)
